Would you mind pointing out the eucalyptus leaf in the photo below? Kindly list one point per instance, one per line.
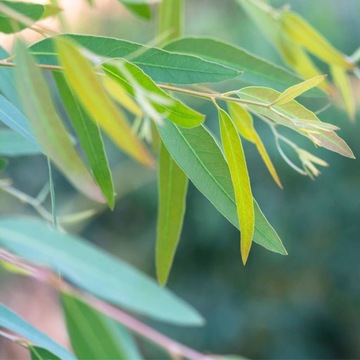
(160, 65)
(93, 270)
(38, 353)
(141, 10)
(13, 322)
(197, 153)
(13, 144)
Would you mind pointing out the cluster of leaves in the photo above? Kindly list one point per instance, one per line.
(126, 90)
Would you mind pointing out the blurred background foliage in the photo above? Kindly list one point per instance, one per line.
(305, 305)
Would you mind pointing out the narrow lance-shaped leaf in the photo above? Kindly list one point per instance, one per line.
(141, 86)
(13, 322)
(85, 324)
(171, 209)
(90, 138)
(342, 81)
(47, 126)
(235, 157)
(13, 144)
(198, 154)
(141, 10)
(38, 353)
(294, 91)
(300, 31)
(93, 97)
(244, 124)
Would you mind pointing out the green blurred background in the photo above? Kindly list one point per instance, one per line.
(303, 306)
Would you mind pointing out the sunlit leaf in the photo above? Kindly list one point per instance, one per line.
(93, 97)
(342, 81)
(235, 157)
(94, 335)
(171, 19)
(38, 353)
(13, 322)
(288, 114)
(47, 126)
(13, 144)
(244, 124)
(142, 85)
(172, 202)
(160, 65)
(294, 91)
(93, 270)
(197, 153)
(300, 31)
(90, 139)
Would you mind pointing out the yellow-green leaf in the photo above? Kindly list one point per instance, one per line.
(172, 196)
(304, 34)
(235, 157)
(342, 81)
(47, 126)
(92, 95)
(244, 124)
(294, 91)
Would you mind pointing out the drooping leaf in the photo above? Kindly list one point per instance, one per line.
(13, 322)
(197, 153)
(16, 16)
(256, 71)
(90, 138)
(94, 335)
(93, 97)
(93, 270)
(13, 144)
(244, 123)
(300, 31)
(288, 114)
(160, 65)
(47, 126)
(38, 353)
(169, 107)
(294, 91)
(235, 157)
(171, 19)
(171, 209)
(342, 81)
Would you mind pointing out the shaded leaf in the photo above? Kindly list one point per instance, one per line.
(171, 210)
(197, 153)
(13, 144)
(90, 139)
(93, 270)
(300, 31)
(294, 91)
(288, 114)
(93, 97)
(160, 65)
(142, 86)
(47, 126)
(13, 322)
(38, 353)
(94, 335)
(141, 10)
(235, 157)
(256, 71)
(244, 123)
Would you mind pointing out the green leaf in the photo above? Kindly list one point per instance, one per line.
(93, 97)
(13, 322)
(171, 19)
(141, 10)
(235, 157)
(3, 164)
(47, 126)
(14, 119)
(171, 209)
(90, 138)
(255, 70)
(197, 153)
(93, 270)
(38, 353)
(288, 114)
(13, 144)
(168, 107)
(294, 91)
(16, 16)
(160, 65)
(94, 335)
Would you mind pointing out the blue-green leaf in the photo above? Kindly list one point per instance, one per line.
(13, 144)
